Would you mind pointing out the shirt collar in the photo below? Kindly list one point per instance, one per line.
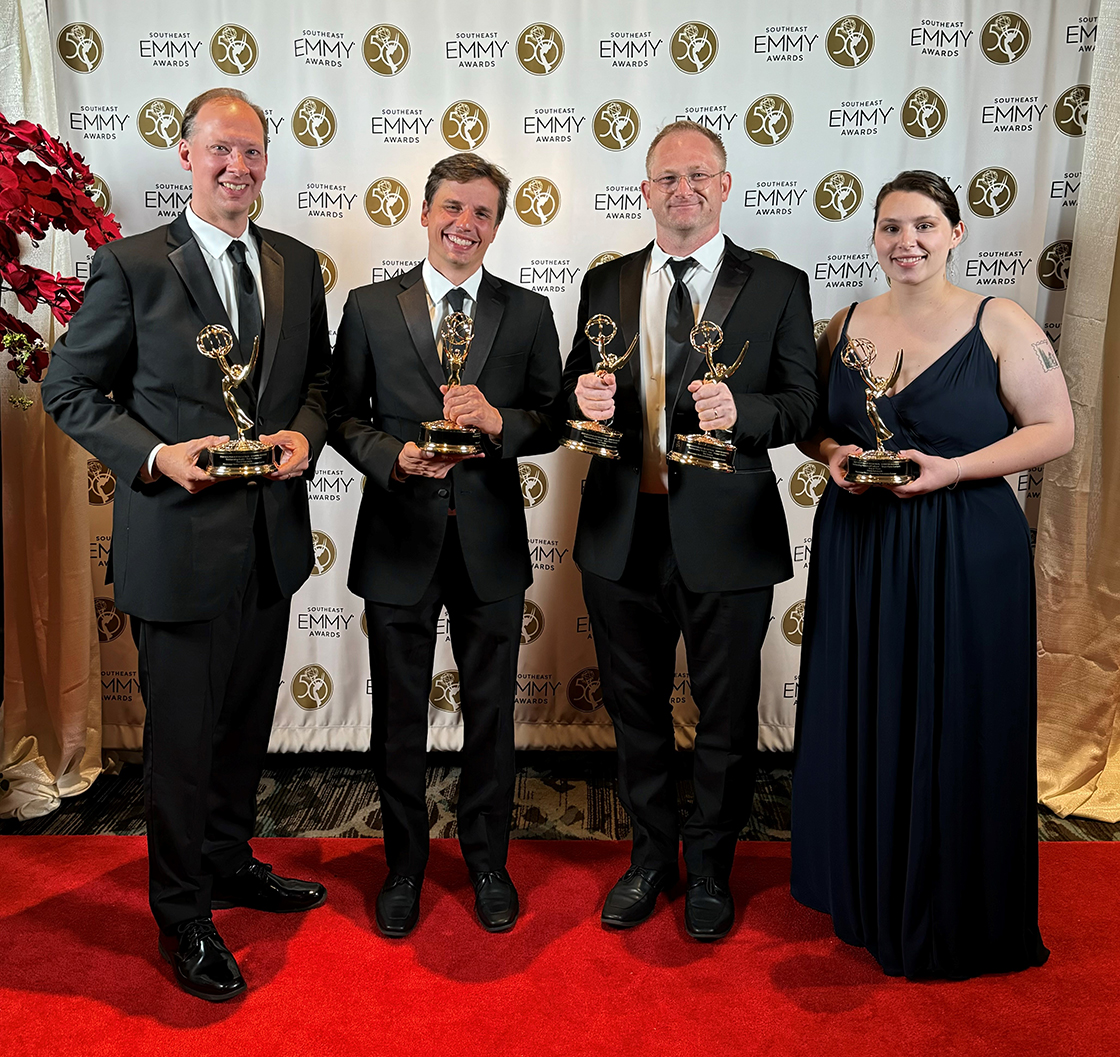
(707, 256)
(438, 284)
(214, 240)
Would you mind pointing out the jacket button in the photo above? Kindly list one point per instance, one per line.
(443, 493)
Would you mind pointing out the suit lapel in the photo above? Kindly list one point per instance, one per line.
(413, 300)
(188, 261)
(272, 278)
(630, 309)
(487, 316)
(730, 280)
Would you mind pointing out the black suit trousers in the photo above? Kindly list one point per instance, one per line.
(637, 621)
(210, 691)
(485, 639)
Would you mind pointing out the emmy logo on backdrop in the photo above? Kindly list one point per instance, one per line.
(597, 438)
(879, 466)
(445, 437)
(714, 450)
(243, 457)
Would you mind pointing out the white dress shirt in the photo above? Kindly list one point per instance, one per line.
(214, 242)
(437, 285)
(656, 286)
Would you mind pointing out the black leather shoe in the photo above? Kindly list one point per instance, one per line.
(202, 963)
(634, 895)
(495, 900)
(255, 886)
(398, 904)
(709, 911)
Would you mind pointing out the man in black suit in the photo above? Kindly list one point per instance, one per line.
(667, 550)
(205, 568)
(440, 530)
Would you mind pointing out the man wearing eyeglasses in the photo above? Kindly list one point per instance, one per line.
(667, 549)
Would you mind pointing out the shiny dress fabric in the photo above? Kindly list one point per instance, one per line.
(914, 793)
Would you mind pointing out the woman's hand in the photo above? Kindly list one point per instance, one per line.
(936, 472)
(838, 464)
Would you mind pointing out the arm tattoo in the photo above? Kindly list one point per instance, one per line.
(1045, 353)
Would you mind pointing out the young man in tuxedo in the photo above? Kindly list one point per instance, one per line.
(445, 530)
(205, 567)
(668, 550)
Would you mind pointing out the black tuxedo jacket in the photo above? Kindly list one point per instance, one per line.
(386, 381)
(728, 529)
(127, 375)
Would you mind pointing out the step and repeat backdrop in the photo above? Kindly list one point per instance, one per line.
(817, 107)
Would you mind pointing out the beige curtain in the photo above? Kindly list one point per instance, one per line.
(51, 744)
(1078, 552)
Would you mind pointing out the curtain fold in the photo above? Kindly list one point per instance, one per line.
(51, 713)
(1078, 549)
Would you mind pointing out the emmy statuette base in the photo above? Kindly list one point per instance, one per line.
(704, 450)
(243, 458)
(592, 438)
(446, 438)
(874, 468)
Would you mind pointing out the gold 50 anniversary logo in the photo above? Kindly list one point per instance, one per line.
(80, 47)
(312, 687)
(326, 553)
(1005, 38)
(768, 120)
(160, 123)
(540, 49)
(329, 270)
(386, 50)
(838, 195)
(850, 42)
(386, 202)
(616, 124)
(992, 191)
(694, 47)
(465, 125)
(313, 123)
(233, 49)
(924, 113)
(537, 201)
(534, 483)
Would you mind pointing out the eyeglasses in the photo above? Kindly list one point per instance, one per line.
(668, 183)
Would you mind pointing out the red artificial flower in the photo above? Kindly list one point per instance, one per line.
(17, 326)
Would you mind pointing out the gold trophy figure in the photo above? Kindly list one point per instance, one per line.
(445, 437)
(597, 438)
(243, 457)
(712, 450)
(879, 466)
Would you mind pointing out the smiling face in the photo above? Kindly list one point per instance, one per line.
(462, 220)
(686, 217)
(226, 159)
(913, 237)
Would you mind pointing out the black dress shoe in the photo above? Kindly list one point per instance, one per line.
(495, 900)
(709, 911)
(634, 895)
(202, 963)
(255, 886)
(398, 904)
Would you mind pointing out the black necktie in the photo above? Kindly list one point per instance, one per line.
(248, 302)
(454, 298)
(679, 321)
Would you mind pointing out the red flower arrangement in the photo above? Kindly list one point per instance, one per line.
(48, 190)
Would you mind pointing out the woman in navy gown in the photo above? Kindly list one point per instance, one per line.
(914, 794)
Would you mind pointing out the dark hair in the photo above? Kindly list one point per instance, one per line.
(212, 94)
(925, 183)
(461, 169)
(688, 126)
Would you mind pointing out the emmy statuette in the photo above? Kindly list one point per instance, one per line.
(597, 438)
(879, 466)
(243, 457)
(445, 437)
(714, 450)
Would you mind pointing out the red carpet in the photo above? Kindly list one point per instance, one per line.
(81, 975)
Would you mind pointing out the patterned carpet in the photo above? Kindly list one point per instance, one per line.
(559, 795)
